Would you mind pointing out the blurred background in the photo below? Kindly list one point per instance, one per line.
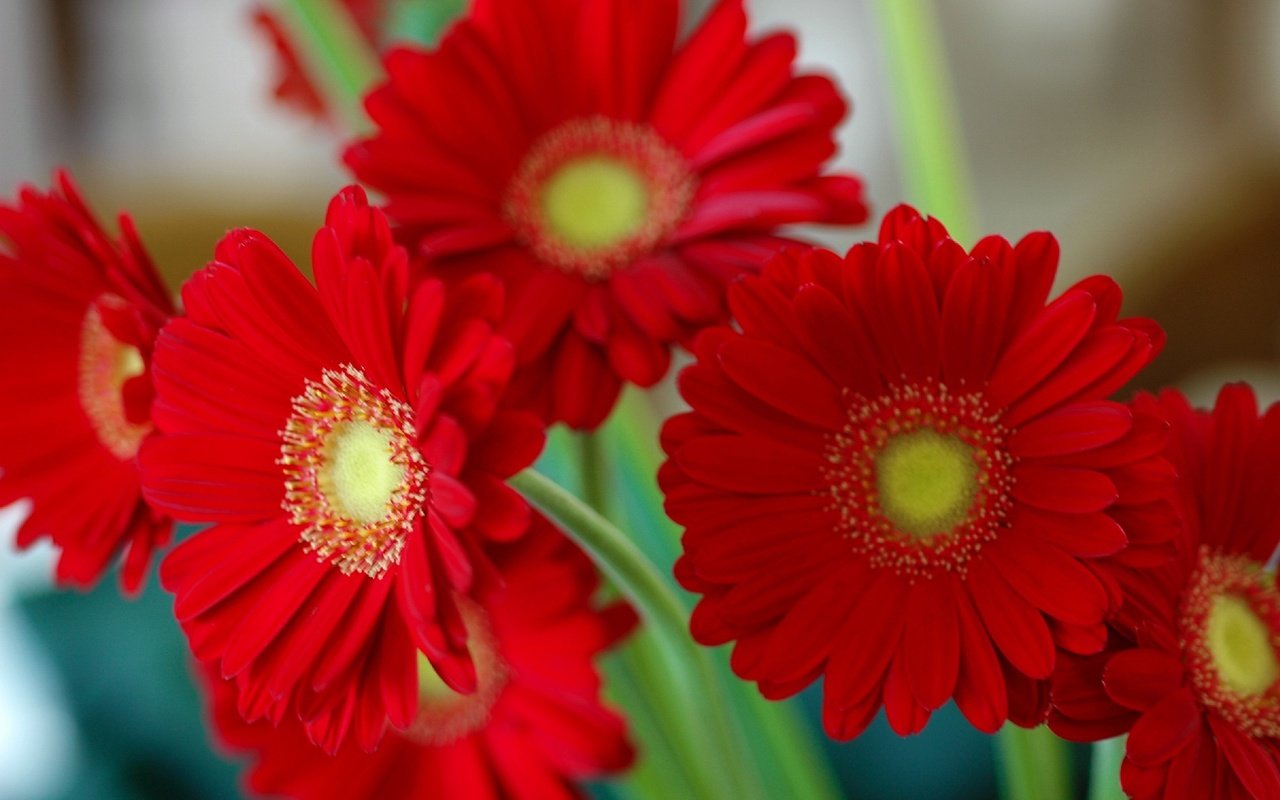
(1145, 134)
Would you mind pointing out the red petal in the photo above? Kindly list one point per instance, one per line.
(1141, 677)
(980, 687)
(931, 642)
(1041, 348)
(750, 464)
(905, 714)
(802, 640)
(907, 312)
(784, 380)
(1064, 489)
(1071, 429)
(1254, 762)
(1053, 581)
(973, 313)
(867, 641)
(1165, 729)
(1014, 624)
(1083, 535)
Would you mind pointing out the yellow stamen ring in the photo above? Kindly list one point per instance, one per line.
(354, 479)
(106, 365)
(919, 478)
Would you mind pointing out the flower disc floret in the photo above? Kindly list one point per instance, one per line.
(1230, 624)
(919, 478)
(594, 194)
(355, 482)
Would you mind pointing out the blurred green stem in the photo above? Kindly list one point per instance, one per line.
(688, 666)
(592, 463)
(342, 64)
(421, 21)
(1032, 764)
(1104, 770)
(931, 149)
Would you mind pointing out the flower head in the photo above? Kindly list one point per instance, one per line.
(349, 441)
(81, 314)
(614, 179)
(901, 472)
(1193, 669)
(534, 725)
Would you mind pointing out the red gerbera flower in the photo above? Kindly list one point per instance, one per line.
(294, 87)
(899, 471)
(614, 181)
(347, 439)
(534, 725)
(1193, 672)
(81, 313)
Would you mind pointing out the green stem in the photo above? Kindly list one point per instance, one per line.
(1104, 770)
(688, 666)
(931, 142)
(1032, 764)
(592, 463)
(340, 62)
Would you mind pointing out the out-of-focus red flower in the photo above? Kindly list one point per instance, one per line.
(348, 441)
(293, 86)
(1193, 671)
(614, 179)
(533, 727)
(902, 472)
(80, 314)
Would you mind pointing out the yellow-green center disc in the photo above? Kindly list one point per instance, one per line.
(1241, 646)
(594, 202)
(360, 475)
(926, 481)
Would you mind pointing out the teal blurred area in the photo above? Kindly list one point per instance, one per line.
(139, 722)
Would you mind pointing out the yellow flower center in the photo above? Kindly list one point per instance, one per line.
(926, 481)
(1229, 626)
(360, 475)
(596, 193)
(106, 365)
(1241, 646)
(919, 479)
(595, 202)
(354, 480)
